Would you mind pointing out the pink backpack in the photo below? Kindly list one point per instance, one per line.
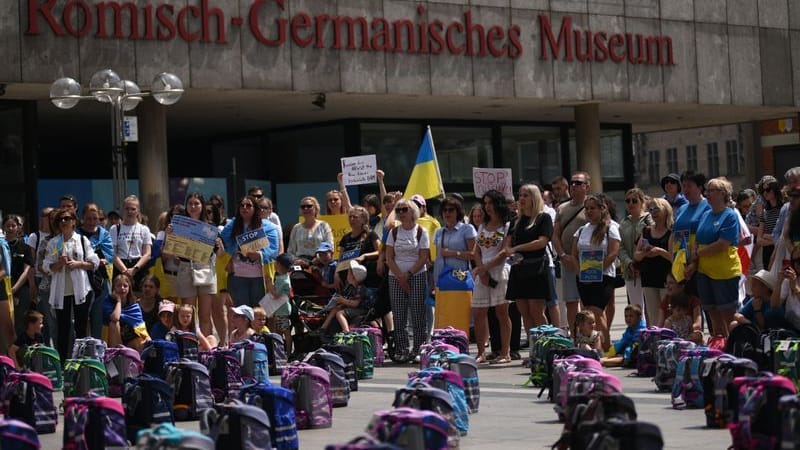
(313, 402)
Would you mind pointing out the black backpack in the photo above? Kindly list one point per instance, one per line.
(618, 435)
(148, 400)
(744, 341)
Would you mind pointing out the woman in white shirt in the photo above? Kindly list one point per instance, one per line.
(132, 243)
(407, 255)
(69, 257)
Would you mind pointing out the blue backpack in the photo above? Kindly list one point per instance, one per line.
(687, 390)
(410, 428)
(166, 436)
(278, 403)
(157, 354)
(190, 383)
(18, 435)
(148, 401)
(420, 395)
(28, 396)
(450, 382)
(253, 356)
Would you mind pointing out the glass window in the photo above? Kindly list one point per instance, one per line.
(732, 157)
(532, 153)
(653, 166)
(691, 158)
(395, 146)
(459, 149)
(672, 160)
(306, 154)
(713, 159)
(12, 169)
(611, 154)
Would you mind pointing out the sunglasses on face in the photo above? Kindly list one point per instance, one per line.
(258, 195)
(577, 182)
(631, 201)
(306, 206)
(401, 210)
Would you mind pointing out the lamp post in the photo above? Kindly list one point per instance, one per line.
(106, 86)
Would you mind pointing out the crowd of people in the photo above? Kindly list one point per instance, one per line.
(701, 259)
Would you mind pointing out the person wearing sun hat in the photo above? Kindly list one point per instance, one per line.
(671, 184)
(241, 318)
(758, 309)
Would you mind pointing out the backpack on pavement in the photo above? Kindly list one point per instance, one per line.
(276, 351)
(561, 367)
(7, 366)
(430, 353)
(187, 342)
(451, 383)
(647, 359)
(157, 354)
(334, 365)
(453, 336)
(148, 401)
(536, 333)
(28, 396)
(364, 442)
(224, 371)
(601, 408)
(253, 357)
(376, 339)
(669, 352)
(191, 387)
(18, 435)
(538, 362)
(46, 361)
(754, 425)
(619, 435)
(312, 395)
(278, 403)
(786, 359)
(235, 425)
(789, 409)
(410, 428)
(467, 368)
(88, 347)
(82, 376)
(167, 437)
(425, 397)
(744, 341)
(362, 345)
(93, 422)
(121, 363)
(687, 390)
(720, 395)
(348, 355)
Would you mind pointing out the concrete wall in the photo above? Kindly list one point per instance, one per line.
(741, 52)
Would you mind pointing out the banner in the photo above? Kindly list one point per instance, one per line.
(191, 239)
(360, 170)
(485, 179)
(252, 241)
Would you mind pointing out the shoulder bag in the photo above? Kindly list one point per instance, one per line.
(453, 279)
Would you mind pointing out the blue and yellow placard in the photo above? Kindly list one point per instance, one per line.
(191, 239)
(591, 266)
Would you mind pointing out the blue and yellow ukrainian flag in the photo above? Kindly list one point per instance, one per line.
(425, 178)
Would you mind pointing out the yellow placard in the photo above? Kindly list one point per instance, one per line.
(187, 248)
(340, 226)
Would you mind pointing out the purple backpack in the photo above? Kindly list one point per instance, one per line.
(363, 443)
(313, 402)
(452, 336)
(93, 422)
(589, 382)
(687, 390)
(18, 435)
(224, 372)
(7, 366)
(561, 367)
(647, 358)
(121, 363)
(28, 396)
(431, 352)
(376, 337)
(334, 365)
(756, 424)
(410, 428)
(467, 368)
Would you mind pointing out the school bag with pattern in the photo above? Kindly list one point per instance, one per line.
(555, 354)
(619, 435)
(235, 425)
(7, 366)
(422, 396)
(312, 395)
(755, 425)
(82, 376)
(88, 347)
(157, 354)
(687, 390)
(453, 336)
(430, 353)
(539, 369)
(363, 443)
(28, 396)
(278, 403)
(363, 352)
(348, 355)
(601, 408)
(561, 367)
(188, 345)
(769, 337)
(744, 341)
(191, 387)
(334, 365)
(542, 330)
(646, 360)
(276, 350)
(121, 363)
(18, 435)
(584, 385)
(451, 383)
(253, 356)
(668, 354)
(93, 422)
(376, 339)
(467, 368)
(166, 436)
(720, 395)
(789, 408)
(148, 401)
(224, 371)
(410, 428)
(786, 359)
(45, 360)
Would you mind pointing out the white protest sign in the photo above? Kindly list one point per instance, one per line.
(360, 170)
(485, 179)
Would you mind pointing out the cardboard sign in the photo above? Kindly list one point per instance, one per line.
(252, 241)
(191, 239)
(485, 179)
(591, 266)
(360, 170)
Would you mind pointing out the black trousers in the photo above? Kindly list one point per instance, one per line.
(516, 328)
(72, 323)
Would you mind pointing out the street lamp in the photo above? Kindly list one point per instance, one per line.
(106, 86)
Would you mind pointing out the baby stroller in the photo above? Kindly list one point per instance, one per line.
(309, 297)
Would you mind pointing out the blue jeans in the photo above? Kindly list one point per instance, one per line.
(246, 291)
(717, 294)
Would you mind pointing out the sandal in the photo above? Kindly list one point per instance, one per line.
(501, 360)
(481, 359)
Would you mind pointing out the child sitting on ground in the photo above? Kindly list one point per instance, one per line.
(586, 337)
(260, 320)
(186, 323)
(758, 309)
(165, 311)
(346, 305)
(241, 320)
(34, 321)
(680, 321)
(280, 289)
(620, 352)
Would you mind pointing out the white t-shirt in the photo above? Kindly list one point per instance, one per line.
(791, 304)
(128, 240)
(406, 247)
(584, 235)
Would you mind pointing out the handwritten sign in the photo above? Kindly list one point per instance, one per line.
(485, 179)
(191, 239)
(252, 241)
(360, 170)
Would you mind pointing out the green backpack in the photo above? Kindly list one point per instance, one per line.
(82, 376)
(46, 361)
(786, 359)
(362, 346)
(539, 373)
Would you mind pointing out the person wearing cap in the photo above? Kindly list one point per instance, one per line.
(166, 311)
(671, 185)
(758, 309)
(351, 302)
(241, 318)
(324, 264)
(688, 217)
(430, 224)
(113, 218)
(279, 288)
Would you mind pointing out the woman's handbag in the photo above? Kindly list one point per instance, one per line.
(451, 279)
(203, 275)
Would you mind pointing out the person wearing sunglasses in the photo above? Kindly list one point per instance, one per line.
(654, 258)
(246, 280)
(671, 185)
(407, 255)
(306, 236)
(630, 230)
(70, 258)
(686, 220)
(771, 202)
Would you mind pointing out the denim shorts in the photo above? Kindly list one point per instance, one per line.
(717, 294)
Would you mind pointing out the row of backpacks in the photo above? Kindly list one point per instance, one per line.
(431, 411)
(740, 387)
(588, 400)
